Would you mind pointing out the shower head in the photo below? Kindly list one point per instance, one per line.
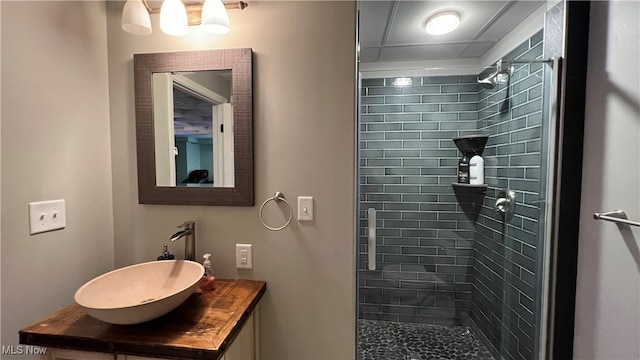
(500, 76)
(487, 83)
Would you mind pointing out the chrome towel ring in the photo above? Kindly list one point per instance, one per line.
(277, 198)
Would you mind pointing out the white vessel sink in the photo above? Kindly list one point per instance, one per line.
(140, 292)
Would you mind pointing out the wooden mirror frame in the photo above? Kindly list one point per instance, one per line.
(239, 61)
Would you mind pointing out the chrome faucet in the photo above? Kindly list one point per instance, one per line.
(189, 233)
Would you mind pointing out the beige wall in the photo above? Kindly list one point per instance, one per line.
(55, 144)
(608, 286)
(55, 104)
(304, 124)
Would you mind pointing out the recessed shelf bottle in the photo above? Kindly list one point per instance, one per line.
(470, 146)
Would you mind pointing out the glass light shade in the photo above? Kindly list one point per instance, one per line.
(135, 18)
(173, 18)
(214, 17)
(443, 23)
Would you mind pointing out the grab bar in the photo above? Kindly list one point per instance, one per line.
(372, 238)
(616, 216)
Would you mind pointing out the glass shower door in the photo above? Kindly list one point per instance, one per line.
(449, 275)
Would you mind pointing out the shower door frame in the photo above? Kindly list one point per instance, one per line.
(567, 189)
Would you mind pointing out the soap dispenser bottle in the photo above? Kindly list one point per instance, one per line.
(206, 283)
(165, 254)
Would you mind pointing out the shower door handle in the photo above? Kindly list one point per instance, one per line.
(372, 238)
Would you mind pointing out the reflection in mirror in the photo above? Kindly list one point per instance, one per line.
(193, 125)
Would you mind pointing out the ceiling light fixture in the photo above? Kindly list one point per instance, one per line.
(176, 16)
(442, 23)
(402, 81)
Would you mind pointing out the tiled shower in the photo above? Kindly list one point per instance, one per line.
(444, 256)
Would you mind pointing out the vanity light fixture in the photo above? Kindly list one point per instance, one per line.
(177, 15)
(173, 18)
(442, 23)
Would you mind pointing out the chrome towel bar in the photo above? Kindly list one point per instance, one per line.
(371, 212)
(616, 216)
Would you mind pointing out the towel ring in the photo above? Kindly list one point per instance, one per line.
(277, 198)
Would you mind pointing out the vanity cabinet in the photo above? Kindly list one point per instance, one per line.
(221, 324)
(246, 346)
(64, 354)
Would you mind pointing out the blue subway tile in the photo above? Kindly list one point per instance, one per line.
(464, 88)
(424, 180)
(401, 171)
(401, 153)
(437, 116)
(402, 117)
(442, 134)
(420, 126)
(449, 79)
(426, 89)
(372, 82)
(449, 98)
(397, 135)
(372, 136)
(422, 108)
(458, 107)
(369, 100)
(371, 118)
(398, 205)
(384, 91)
(377, 109)
(421, 162)
(384, 127)
(420, 144)
(384, 162)
(402, 99)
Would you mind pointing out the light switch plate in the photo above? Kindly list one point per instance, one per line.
(46, 216)
(305, 208)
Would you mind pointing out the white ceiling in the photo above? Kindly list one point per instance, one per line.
(394, 30)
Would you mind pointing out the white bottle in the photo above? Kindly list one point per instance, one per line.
(476, 170)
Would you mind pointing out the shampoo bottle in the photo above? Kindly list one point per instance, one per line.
(207, 279)
(463, 169)
(476, 170)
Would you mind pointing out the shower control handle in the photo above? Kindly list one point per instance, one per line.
(502, 205)
(506, 203)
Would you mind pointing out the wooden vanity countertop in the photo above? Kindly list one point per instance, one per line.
(201, 328)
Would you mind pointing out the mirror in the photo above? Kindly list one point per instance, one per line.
(193, 128)
(194, 122)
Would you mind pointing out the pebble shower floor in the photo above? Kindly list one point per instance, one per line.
(385, 340)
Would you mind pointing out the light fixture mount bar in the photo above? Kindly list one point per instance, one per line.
(194, 11)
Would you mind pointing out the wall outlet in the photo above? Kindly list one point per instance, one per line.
(244, 256)
(46, 216)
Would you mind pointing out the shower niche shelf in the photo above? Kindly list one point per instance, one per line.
(480, 189)
(471, 145)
